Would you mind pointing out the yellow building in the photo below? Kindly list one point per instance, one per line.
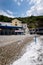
(16, 22)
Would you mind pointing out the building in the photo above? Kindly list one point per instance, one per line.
(25, 28)
(16, 22)
(39, 30)
(15, 27)
(5, 24)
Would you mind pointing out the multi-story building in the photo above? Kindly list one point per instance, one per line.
(15, 27)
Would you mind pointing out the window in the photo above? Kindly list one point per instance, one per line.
(15, 23)
(0, 24)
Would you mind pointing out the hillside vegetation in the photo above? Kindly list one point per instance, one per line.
(32, 21)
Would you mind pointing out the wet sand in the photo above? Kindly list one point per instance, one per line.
(12, 47)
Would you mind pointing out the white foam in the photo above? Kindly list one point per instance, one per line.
(31, 53)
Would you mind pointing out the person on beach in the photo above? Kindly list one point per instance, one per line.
(35, 39)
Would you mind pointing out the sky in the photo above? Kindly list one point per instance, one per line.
(21, 8)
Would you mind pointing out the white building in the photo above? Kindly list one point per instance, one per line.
(26, 30)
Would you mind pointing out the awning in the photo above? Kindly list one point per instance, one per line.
(10, 27)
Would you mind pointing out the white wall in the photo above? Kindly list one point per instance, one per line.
(5, 24)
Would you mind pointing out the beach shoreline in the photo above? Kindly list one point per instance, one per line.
(11, 47)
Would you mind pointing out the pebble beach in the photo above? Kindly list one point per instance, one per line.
(12, 47)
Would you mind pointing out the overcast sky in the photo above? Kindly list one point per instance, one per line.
(21, 8)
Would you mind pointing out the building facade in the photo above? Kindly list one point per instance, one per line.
(15, 27)
(26, 30)
(16, 22)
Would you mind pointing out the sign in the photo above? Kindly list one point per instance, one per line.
(19, 31)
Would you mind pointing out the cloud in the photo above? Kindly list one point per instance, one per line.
(23, 15)
(15, 0)
(9, 12)
(18, 2)
(22, 0)
(6, 14)
(32, 11)
(34, 2)
(36, 9)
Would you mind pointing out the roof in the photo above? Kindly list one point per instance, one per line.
(16, 20)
